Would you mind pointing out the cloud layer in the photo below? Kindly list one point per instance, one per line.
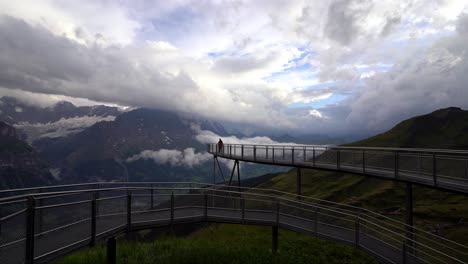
(326, 67)
(60, 128)
(188, 157)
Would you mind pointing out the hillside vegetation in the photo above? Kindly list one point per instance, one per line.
(440, 212)
(226, 244)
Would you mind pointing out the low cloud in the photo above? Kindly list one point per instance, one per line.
(60, 128)
(188, 157)
(207, 137)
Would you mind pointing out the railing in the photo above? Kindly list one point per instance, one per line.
(443, 169)
(39, 227)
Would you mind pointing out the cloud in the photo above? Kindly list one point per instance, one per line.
(243, 62)
(209, 137)
(416, 85)
(188, 157)
(60, 128)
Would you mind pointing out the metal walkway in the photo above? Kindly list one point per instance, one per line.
(442, 169)
(38, 225)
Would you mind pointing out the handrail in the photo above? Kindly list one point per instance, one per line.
(261, 197)
(359, 209)
(390, 149)
(435, 168)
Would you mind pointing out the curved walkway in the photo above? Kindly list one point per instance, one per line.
(39, 227)
(441, 169)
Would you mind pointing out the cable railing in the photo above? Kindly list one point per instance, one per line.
(38, 227)
(437, 168)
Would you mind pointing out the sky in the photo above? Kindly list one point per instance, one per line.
(321, 67)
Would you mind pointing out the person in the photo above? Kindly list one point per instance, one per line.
(220, 145)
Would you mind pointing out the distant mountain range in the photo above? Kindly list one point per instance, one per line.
(101, 143)
(20, 164)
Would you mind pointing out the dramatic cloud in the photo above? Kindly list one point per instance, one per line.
(419, 85)
(188, 157)
(324, 67)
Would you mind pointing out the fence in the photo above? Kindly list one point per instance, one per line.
(40, 224)
(443, 169)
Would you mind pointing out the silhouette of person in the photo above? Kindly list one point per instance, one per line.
(220, 145)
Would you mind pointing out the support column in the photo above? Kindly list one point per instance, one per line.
(232, 172)
(31, 212)
(111, 251)
(214, 169)
(274, 239)
(238, 176)
(274, 233)
(220, 171)
(409, 215)
(298, 183)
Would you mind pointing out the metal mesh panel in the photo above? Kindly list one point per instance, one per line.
(12, 239)
(112, 213)
(61, 226)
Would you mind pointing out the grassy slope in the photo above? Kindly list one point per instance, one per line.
(227, 244)
(437, 211)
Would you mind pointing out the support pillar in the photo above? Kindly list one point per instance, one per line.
(214, 169)
(111, 251)
(31, 212)
(274, 239)
(409, 215)
(238, 177)
(298, 183)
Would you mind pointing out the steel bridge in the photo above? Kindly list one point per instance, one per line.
(39, 225)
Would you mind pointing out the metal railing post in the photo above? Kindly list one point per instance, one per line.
(292, 155)
(397, 155)
(129, 211)
(274, 239)
(283, 153)
(205, 213)
(357, 232)
(40, 214)
(434, 168)
(31, 212)
(93, 221)
(273, 154)
(313, 155)
(152, 196)
(304, 154)
(338, 159)
(274, 233)
(230, 150)
(266, 152)
(316, 220)
(363, 161)
(242, 151)
(255, 152)
(403, 256)
(111, 251)
(242, 207)
(172, 209)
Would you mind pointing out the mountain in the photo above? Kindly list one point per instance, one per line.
(139, 145)
(20, 165)
(14, 111)
(436, 211)
(442, 129)
(60, 120)
(100, 151)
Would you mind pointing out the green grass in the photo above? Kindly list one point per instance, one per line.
(226, 244)
(440, 212)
